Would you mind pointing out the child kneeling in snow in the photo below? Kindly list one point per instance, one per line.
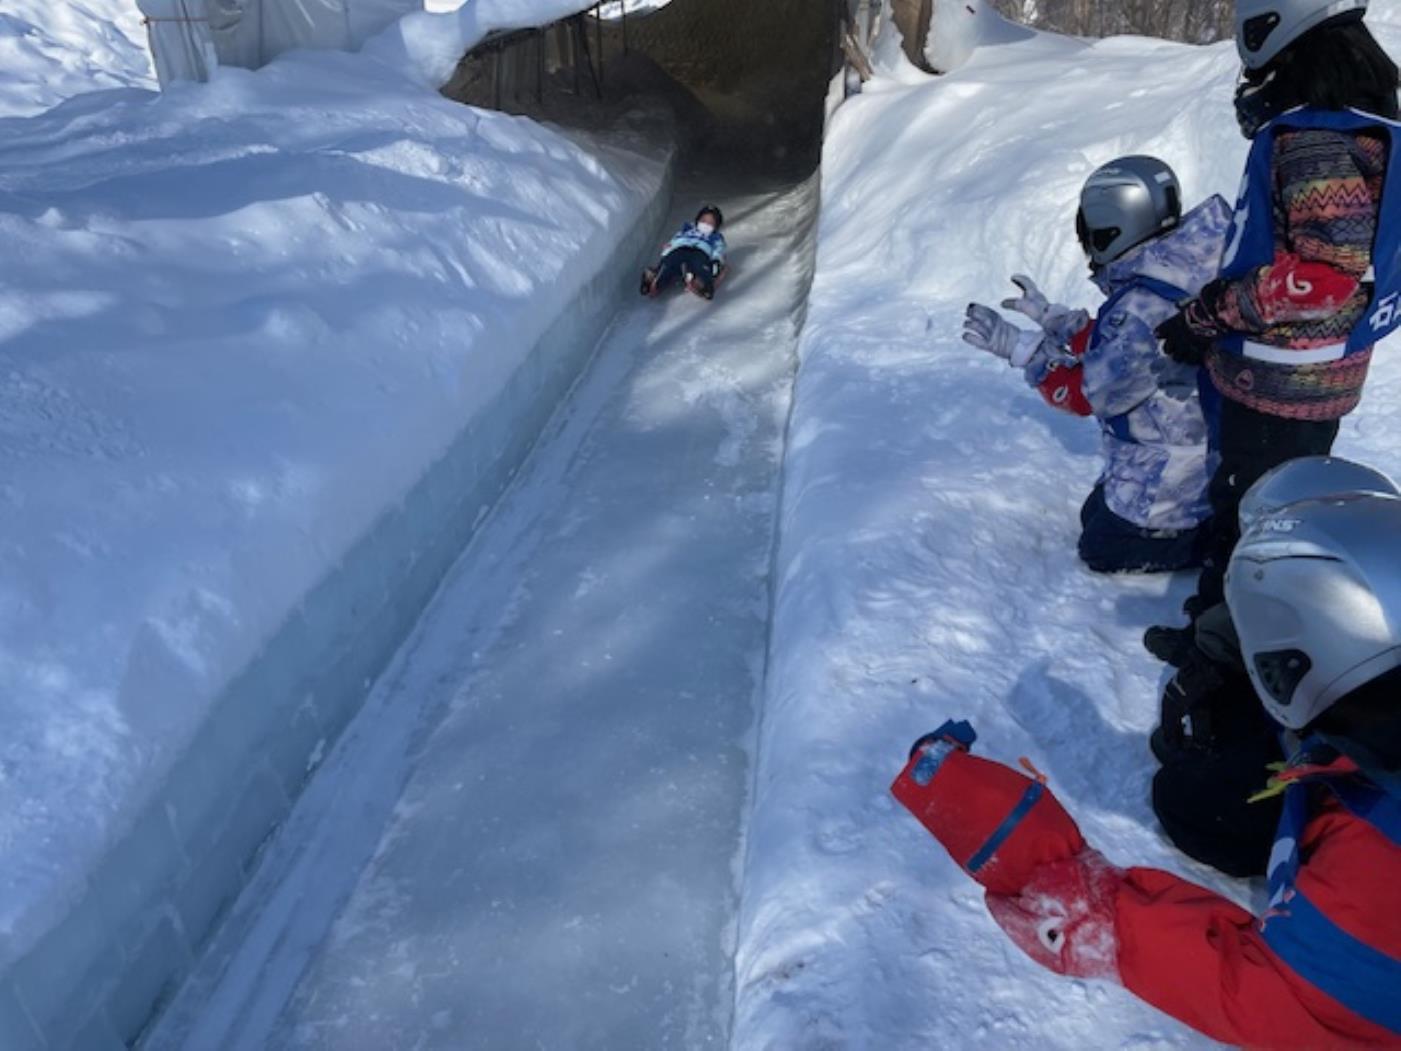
(695, 256)
(1315, 590)
(1146, 512)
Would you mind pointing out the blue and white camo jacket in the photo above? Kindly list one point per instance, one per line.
(691, 237)
(1156, 463)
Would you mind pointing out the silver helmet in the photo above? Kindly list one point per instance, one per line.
(1124, 203)
(1314, 590)
(1264, 28)
(1310, 478)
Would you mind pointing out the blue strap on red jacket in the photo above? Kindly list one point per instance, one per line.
(1251, 242)
(1000, 834)
(1362, 978)
(1118, 425)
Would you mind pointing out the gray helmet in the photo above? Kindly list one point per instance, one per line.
(1310, 478)
(1125, 203)
(1314, 590)
(1264, 28)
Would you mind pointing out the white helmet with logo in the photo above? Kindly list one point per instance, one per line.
(1314, 589)
(1264, 28)
(1310, 478)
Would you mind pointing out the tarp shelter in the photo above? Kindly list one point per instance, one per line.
(190, 37)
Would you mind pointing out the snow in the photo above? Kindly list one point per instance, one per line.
(51, 50)
(268, 348)
(927, 568)
(617, 8)
(427, 45)
(550, 784)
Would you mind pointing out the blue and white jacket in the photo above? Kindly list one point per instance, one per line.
(691, 237)
(1155, 435)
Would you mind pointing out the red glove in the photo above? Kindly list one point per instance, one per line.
(1064, 916)
(999, 826)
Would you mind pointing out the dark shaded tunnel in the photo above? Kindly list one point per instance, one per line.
(745, 81)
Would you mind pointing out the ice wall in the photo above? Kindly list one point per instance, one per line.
(85, 963)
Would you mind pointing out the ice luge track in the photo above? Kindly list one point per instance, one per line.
(529, 838)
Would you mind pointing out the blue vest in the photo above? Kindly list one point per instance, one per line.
(1210, 397)
(1363, 979)
(1251, 242)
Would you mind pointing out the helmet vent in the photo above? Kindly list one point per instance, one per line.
(1258, 29)
(1281, 671)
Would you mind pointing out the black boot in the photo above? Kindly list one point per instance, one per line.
(649, 282)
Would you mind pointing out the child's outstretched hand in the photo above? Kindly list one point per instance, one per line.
(999, 825)
(1053, 895)
(986, 329)
(1058, 321)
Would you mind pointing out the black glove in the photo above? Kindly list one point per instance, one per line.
(1189, 704)
(1179, 341)
(1206, 706)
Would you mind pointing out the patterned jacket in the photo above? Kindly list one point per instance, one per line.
(1156, 463)
(690, 236)
(1327, 193)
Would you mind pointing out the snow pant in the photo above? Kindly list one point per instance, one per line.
(1203, 802)
(681, 261)
(1110, 544)
(1252, 443)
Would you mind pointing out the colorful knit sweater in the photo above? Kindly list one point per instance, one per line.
(1327, 198)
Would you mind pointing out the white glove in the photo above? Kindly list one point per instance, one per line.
(1056, 320)
(987, 330)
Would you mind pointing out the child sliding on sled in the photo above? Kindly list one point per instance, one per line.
(1314, 589)
(695, 257)
(1145, 514)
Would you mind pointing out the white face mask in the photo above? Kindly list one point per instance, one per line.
(706, 229)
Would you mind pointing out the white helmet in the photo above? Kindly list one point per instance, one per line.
(1264, 28)
(1310, 478)
(1314, 590)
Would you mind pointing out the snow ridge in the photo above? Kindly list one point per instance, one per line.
(927, 564)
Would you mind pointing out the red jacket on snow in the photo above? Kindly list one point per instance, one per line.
(1182, 948)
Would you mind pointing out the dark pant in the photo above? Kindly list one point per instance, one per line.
(1110, 544)
(1252, 444)
(1203, 804)
(678, 262)
(1218, 640)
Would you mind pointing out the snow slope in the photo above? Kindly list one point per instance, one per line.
(267, 349)
(51, 50)
(927, 566)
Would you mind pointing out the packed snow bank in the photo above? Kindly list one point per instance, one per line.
(927, 565)
(268, 350)
(958, 28)
(427, 45)
(51, 50)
